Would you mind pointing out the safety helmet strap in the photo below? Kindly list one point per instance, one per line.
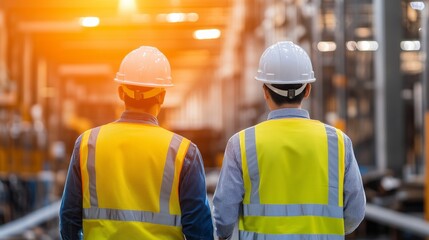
(290, 93)
(138, 94)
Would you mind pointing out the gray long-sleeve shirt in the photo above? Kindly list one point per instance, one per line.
(230, 189)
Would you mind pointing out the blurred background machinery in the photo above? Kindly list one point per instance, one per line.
(58, 59)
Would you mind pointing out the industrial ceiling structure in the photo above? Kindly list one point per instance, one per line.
(85, 40)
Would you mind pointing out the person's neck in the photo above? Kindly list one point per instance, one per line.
(286, 105)
(154, 110)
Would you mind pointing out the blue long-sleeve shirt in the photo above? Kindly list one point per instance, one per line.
(196, 217)
(230, 189)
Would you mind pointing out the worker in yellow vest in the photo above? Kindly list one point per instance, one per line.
(132, 179)
(289, 177)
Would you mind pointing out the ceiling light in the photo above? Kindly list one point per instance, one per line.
(89, 21)
(175, 17)
(127, 6)
(410, 45)
(192, 17)
(207, 34)
(326, 46)
(351, 46)
(417, 5)
(367, 46)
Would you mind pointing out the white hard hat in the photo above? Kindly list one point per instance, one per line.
(285, 63)
(145, 66)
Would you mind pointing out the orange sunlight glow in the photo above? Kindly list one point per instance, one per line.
(127, 6)
(89, 21)
(207, 34)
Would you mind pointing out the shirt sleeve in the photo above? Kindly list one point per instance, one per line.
(229, 190)
(196, 216)
(71, 204)
(354, 195)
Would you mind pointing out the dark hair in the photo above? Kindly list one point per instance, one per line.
(142, 103)
(280, 100)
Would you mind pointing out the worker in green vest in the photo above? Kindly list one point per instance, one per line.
(132, 179)
(289, 177)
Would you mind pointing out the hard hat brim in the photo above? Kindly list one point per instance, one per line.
(132, 83)
(310, 80)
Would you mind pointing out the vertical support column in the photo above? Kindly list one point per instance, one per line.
(230, 75)
(388, 86)
(42, 80)
(3, 48)
(4, 160)
(340, 67)
(317, 107)
(27, 72)
(425, 82)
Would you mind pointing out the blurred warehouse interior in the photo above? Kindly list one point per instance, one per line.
(58, 60)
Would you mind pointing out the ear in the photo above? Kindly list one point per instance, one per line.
(271, 105)
(121, 93)
(266, 94)
(307, 90)
(161, 97)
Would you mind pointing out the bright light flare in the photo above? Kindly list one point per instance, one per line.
(417, 5)
(192, 17)
(89, 21)
(176, 17)
(367, 46)
(363, 46)
(207, 34)
(410, 45)
(326, 46)
(127, 6)
(351, 46)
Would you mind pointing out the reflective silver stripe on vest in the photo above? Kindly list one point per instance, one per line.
(333, 164)
(292, 210)
(92, 140)
(168, 176)
(130, 215)
(163, 217)
(258, 236)
(252, 163)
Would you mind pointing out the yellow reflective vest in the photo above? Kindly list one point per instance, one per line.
(293, 174)
(130, 181)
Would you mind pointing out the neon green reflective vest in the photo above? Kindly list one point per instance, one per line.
(130, 181)
(293, 174)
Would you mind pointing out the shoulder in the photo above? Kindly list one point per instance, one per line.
(234, 140)
(337, 130)
(192, 148)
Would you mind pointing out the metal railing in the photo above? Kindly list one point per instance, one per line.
(403, 221)
(29, 221)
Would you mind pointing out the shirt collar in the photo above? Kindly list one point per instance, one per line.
(288, 113)
(136, 117)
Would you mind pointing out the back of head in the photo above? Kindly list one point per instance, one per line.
(285, 69)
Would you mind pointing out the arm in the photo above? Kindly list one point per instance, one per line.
(196, 216)
(71, 205)
(354, 195)
(229, 191)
